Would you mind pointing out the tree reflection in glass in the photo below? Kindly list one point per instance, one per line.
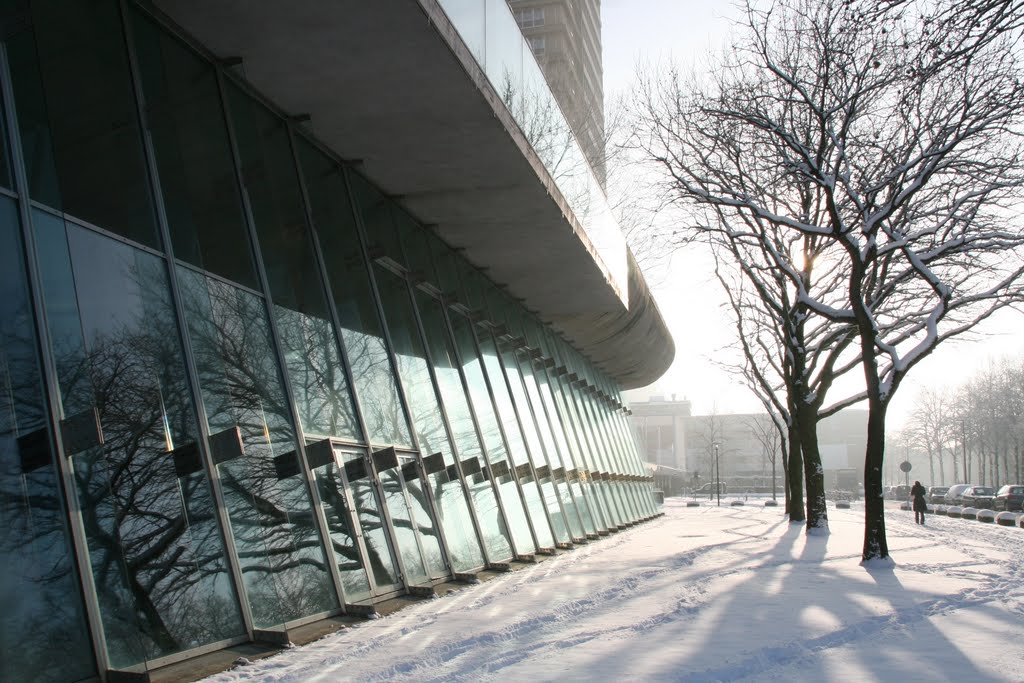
(282, 559)
(43, 635)
(349, 282)
(331, 488)
(446, 489)
(371, 520)
(156, 553)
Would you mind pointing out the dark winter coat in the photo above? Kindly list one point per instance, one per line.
(920, 504)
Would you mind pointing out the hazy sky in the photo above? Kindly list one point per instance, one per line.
(652, 31)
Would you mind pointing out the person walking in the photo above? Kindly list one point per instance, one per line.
(918, 492)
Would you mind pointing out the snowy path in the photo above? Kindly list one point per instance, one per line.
(710, 594)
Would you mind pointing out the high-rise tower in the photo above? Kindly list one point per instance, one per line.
(565, 36)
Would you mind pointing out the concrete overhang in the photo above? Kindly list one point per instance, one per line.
(391, 83)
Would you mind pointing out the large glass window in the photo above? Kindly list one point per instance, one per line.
(551, 448)
(375, 388)
(307, 338)
(518, 453)
(447, 491)
(339, 515)
(190, 139)
(563, 440)
(253, 440)
(43, 635)
(370, 515)
(471, 452)
(78, 118)
(537, 451)
(156, 552)
(501, 467)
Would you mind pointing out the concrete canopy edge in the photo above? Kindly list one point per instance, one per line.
(391, 83)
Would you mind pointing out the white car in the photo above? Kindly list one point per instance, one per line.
(954, 493)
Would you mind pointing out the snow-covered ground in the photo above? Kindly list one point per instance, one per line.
(710, 594)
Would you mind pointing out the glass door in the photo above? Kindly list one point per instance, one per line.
(394, 514)
(421, 507)
(369, 521)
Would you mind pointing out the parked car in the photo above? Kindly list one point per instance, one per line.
(954, 493)
(978, 497)
(708, 489)
(937, 494)
(1010, 497)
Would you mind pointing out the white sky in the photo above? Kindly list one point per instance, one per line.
(708, 594)
(653, 31)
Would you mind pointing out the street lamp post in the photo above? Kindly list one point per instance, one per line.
(718, 477)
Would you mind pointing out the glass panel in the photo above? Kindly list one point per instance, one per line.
(594, 495)
(372, 374)
(376, 211)
(311, 350)
(190, 139)
(550, 449)
(79, 122)
(371, 521)
(44, 636)
(489, 515)
(566, 442)
(492, 434)
(468, 18)
(536, 449)
(331, 488)
(158, 559)
(6, 178)
(517, 445)
(504, 49)
(420, 503)
(448, 494)
(615, 495)
(282, 559)
(404, 525)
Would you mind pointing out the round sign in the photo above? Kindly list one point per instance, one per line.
(905, 466)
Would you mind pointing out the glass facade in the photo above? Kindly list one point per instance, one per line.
(240, 388)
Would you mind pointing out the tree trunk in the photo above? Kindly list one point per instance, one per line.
(875, 545)
(795, 477)
(814, 475)
(785, 473)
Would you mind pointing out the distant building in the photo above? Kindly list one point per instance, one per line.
(565, 36)
(659, 424)
(669, 436)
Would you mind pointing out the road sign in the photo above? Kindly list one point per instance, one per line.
(905, 466)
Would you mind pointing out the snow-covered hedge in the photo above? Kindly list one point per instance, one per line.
(904, 505)
(953, 511)
(843, 504)
(987, 516)
(938, 509)
(969, 513)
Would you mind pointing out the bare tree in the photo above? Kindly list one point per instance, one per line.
(890, 147)
(929, 428)
(789, 359)
(765, 430)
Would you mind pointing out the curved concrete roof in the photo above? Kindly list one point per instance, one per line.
(391, 84)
